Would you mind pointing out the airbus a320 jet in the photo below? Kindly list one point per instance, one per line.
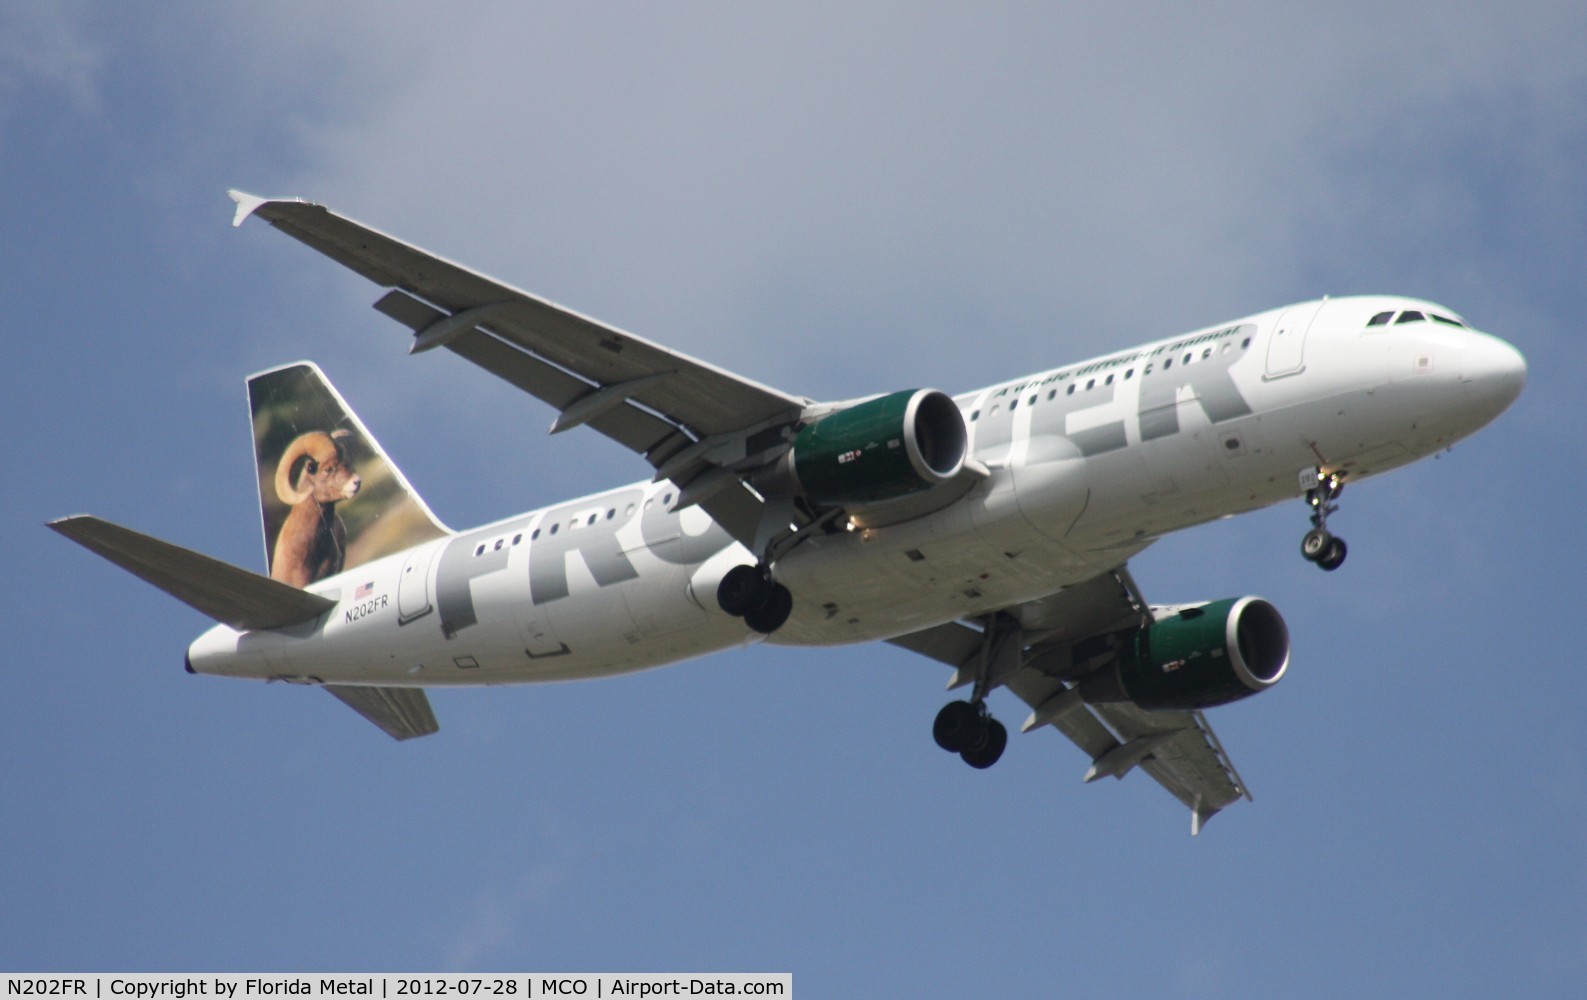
(989, 530)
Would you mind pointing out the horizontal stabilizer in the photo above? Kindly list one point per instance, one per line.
(226, 593)
(402, 713)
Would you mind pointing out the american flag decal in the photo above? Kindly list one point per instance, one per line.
(363, 590)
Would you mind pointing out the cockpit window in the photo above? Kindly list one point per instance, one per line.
(1410, 316)
(1381, 319)
(1449, 321)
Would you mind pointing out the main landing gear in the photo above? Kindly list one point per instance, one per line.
(1319, 545)
(749, 592)
(967, 729)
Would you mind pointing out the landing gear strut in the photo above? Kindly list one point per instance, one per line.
(1319, 545)
(966, 727)
(749, 592)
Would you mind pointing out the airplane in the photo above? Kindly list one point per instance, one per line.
(990, 530)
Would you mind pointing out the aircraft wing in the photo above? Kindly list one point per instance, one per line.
(1059, 644)
(687, 418)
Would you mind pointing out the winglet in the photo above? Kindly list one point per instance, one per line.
(247, 204)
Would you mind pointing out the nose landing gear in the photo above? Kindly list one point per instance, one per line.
(1320, 545)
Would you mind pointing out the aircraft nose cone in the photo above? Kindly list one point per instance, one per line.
(1496, 370)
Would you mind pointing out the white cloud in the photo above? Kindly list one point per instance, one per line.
(836, 199)
(675, 165)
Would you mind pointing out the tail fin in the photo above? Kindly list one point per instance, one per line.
(329, 498)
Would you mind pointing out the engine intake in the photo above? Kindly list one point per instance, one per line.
(1201, 657)
(886, 447)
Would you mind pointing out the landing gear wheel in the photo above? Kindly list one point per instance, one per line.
(965, 728)
(739, 589)
(769, 613)
(956, 719)
(749, 592)
(984, 751)
(1314, 546)
(1335, 556)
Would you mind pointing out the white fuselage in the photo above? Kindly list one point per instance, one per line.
(1087, 465)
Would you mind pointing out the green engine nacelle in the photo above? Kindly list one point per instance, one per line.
(1201, 657)
(886, 447)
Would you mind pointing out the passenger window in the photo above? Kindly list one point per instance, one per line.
(1168, 363)
(1052, 394)
(1013, 406)
(1381, 319)
(1409, 316)
(1031, 401)
(1091, 383)
(975, 415)
(1109, 381)
(1206, 354)
(1071, 388)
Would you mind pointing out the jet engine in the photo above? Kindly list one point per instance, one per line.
(883, 448)
(1200, 657)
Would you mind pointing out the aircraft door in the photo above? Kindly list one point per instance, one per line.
(1286, 345)
(413, 586)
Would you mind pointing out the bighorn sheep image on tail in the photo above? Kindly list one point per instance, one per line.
(313, 476)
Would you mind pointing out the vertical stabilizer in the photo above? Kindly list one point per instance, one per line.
(329, 497)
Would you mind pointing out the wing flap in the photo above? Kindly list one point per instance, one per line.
(229, 594)
(1080, 724)
(1177, 749)
(697, 395)
(627, 425)
(401, 713)
(1191, 764)
(952, 643)
(637, 429)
